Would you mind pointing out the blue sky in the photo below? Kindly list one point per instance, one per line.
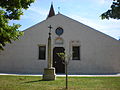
(85, 11)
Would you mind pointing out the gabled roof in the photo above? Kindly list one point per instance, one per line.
(51, 12)
(63, 16)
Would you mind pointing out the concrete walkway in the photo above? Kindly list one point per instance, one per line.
(63, 75)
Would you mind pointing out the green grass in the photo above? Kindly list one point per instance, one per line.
(75, 83)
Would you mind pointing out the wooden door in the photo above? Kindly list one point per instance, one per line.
(57, 62)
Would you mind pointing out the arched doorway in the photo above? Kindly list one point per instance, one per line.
(57, 62)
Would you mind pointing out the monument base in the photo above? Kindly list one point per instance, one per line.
(49, 74)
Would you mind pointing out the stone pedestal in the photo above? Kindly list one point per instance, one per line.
(49, 74)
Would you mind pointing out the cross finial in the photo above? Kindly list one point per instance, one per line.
(58, 10)
(52, 3)
(50, 27)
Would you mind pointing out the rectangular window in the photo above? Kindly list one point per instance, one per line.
(76, 52)
(42, 52)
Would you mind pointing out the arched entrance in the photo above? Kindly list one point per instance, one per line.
(57, 62)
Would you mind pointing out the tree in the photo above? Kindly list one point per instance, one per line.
(65, 61)
(11, 10)
(114, 12)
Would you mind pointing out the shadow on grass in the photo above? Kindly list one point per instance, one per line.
(34, 81)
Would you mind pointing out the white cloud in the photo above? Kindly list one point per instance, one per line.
(39, 10)
(86, 21)
(63, 0)
(110, 24)
(35, 14)
(101, 2)
(110, 27)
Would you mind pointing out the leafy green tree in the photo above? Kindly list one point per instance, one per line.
(11, 10)
(114, 12)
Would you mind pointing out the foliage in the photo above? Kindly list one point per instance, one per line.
(114, 12)
(61, 55)
(11, 10)
(65, 57)
(75, 83)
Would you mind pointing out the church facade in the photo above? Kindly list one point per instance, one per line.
(91, 52)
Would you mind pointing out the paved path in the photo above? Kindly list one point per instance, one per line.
(63, 75)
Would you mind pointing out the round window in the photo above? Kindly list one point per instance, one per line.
(59, 31)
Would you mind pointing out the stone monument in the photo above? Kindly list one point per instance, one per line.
(49, 72)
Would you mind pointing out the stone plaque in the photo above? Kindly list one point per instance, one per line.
(59, 40)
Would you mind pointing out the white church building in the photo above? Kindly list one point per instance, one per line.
(92, 52)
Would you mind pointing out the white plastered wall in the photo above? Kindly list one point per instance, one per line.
(99, 52)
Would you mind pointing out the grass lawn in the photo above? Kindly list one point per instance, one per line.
(75, 83)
